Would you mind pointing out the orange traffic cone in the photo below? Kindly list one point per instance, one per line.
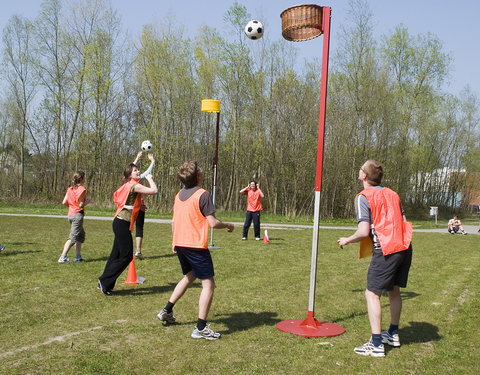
(265, 237)
(132, 274)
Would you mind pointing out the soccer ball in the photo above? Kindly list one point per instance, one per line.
(147, 145)
(254, 29)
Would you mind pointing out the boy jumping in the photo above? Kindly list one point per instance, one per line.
(193, 215)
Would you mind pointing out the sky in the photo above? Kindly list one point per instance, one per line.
(455, 23)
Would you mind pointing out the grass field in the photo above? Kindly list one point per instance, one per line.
(54, 321)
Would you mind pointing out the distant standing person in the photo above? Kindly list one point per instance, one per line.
(193, 215)
(76, 200)
(455, 225)
(254, 207)
(128, 200)
(380, 218)
(140, 222)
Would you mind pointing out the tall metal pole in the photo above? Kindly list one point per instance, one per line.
(311, 327)
(318, 173)
(214, 181)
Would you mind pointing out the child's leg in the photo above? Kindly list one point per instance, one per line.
(206, 298)
(78, 249)
(248, 222)
(67, 247)
(256, 224)
(181, 287)
(139, 223)
(138, 243)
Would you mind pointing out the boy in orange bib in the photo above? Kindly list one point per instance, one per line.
(380, 217)
(193, 215)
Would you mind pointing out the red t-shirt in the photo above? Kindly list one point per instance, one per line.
(253, 200)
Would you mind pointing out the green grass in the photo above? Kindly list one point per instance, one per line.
(55, 321)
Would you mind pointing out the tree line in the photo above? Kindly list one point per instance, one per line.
(79, 94)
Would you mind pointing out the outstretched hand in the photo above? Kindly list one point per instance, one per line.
(342, 241)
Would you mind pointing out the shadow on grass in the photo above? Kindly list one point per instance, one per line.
(246, 320)
(22, 243)
(6, 253)
(105, 258)
(418, 332)
(102, 259)
(159, 256)
(135, 290)
(405, 296)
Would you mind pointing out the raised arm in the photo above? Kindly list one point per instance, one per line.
(138, 157)
(260, 191)
(139, 188)
(243, 191)
(150, 167)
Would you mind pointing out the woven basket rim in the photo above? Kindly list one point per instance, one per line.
(301, 6)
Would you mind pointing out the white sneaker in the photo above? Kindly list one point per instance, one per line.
(63, 259)
(257, 238)
(78, 259)
(392, 340)
(369, 349)
(205, 333)
(139, 255)
(164, 316)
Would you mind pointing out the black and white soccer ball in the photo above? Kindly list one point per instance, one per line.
(254, 29)
(146, 145)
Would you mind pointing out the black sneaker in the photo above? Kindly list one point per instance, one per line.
(104, 291)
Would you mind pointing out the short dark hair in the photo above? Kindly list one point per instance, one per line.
(374, 171)
(189, 172)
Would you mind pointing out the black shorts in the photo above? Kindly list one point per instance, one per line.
(198, 261)
(386, 271)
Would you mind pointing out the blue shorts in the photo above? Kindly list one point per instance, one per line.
(197, 261)
(387, 271)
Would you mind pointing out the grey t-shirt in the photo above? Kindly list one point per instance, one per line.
(206, 204)
(363, 213)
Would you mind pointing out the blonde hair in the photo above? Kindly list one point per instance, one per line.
(77, 178)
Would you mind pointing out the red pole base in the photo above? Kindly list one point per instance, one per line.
(310, 327)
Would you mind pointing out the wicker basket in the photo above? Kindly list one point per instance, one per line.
(302, 22)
